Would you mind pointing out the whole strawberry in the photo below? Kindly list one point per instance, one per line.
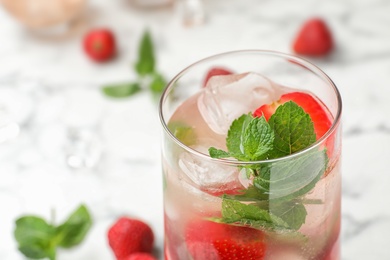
(314, 38)
(128, 236)
(140, 256)
(100, 45)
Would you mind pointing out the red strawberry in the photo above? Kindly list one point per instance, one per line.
(128, 236)
(314, 38)
(100, 44)
(215, 72)
(310, 105)
(140, 256)
(217, 241)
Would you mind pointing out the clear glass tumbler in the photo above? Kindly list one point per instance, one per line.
(225, 206)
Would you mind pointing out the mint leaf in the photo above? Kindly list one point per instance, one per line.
(217, 153)
(121, 90)
(249, 139)
(183, 132)
(293, 177)
(258, 139)
(273, 179)
(249, 214)
(37, 239)
(33, 236)
(36, 251)
(75, 228)
(285, 215)
(292, 212)
(235, 135)
(146, 60)
(294, 129)
(158, 83)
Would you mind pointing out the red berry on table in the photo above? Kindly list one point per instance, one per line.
(314, 38)
(211, 240)
(309, 104)
(128, 236)
(100, 45)
(216, 71)
(140, 256)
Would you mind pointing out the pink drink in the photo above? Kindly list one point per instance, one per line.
(208, 206)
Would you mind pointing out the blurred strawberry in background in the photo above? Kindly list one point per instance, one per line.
(100, 44)
(314, 38)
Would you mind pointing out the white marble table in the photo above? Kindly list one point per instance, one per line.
(53, 89)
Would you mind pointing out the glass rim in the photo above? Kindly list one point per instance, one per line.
(300, 61)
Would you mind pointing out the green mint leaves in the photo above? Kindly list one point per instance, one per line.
(183, 132)
(148, 77)
(249, 214)
(145, 63)
(38, 239)
(249, 138)
(34, 237)
(294, 129)
(273, 200)
(292, 212)
(291, 178)
(286, 217)
(122, 90)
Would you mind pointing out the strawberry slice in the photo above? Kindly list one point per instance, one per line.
(210, 240)
(216, 71)
(310, 105)
(314, 38)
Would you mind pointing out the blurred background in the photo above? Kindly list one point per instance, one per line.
(64, 140)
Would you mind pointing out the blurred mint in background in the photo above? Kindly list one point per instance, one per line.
(38, 239)
(145, 67)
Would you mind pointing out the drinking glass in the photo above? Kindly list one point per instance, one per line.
(214, 208)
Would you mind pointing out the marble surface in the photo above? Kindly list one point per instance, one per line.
(58, 118)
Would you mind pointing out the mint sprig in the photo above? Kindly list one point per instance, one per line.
(38, 239)
(273, 200)
(145, 67)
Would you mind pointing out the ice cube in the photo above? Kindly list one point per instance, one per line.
(206, 173)
(227, 97)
